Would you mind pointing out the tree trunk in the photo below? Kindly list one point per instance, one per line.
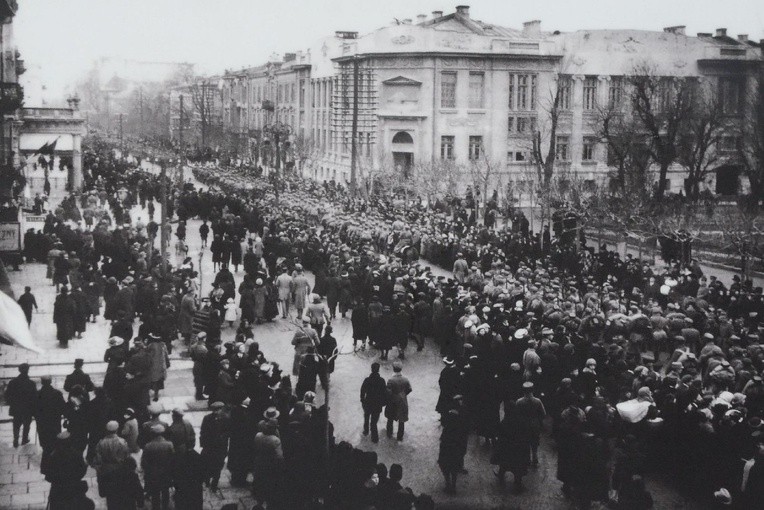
(661, 191)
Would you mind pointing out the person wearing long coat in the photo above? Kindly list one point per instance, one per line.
(513, 449)
(247, 303)
(236, 253)
(345, 294)
(66, 469)
(260, 295)
(186, 315)
(188, 474)
(64, 311)
(241, 451)
(109, 292)
(453, 444)
(397, 408)
(332, 286)
(303, 338)
(83, 310)
(49, 410)
(300, 290)
(360, 321)
(160, 361)
(213, 438)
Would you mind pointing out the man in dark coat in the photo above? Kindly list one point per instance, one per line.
(65, 473)
(449, 381)
(188, 474)
(157, 461)
(213, 438)
(453, 443)
(21, 395)
(50, 408)
(79, 378)
(124, 299)
(27, 302)
(373, 399)
(241, 452)
(64, 310)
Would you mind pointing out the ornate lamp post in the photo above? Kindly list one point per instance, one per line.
(279, 131)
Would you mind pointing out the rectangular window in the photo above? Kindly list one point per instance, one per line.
(562, 151)
(565, 84)
(511, 102)
(730, 94)
(302, 93)
(511, 124)
(533, 92)
(728, 144)
(522, 91)
(516, 156)
(446, 147)
(477, 83)
(590, 92)
(476, 147)
(522, 125)
(615, 91)
(448, 90)
(588, 149)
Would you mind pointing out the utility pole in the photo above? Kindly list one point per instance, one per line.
(180, 140)
(354, 135)
(164, 220)
(140, 102)
(121, 141)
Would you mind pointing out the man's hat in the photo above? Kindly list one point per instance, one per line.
(217, 405)
(112, 426)
(448, 361)
(527, 385)
(157, 428)
(155, 409)
(271, 413)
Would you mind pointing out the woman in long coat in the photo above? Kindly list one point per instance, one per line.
(160, 360)
(109, 291)
(236, 253)
(61, 271)
(247, 303)
(260, 294)
(64, 310)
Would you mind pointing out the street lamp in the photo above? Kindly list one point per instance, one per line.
(279, 131)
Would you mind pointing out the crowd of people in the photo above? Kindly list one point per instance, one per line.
(632, 369)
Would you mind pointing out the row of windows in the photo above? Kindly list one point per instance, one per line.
(475, 147)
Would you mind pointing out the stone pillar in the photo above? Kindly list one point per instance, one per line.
(576, 128)
(76, 162)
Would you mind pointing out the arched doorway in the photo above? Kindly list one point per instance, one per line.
(727, 180)
(403, 152)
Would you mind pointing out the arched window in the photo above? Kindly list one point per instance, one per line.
(402, 137)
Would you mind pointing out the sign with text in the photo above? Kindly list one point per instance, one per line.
(34, 218)
(10, 236)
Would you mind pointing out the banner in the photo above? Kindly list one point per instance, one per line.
(10, 236)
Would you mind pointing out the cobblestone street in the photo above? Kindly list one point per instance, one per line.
(23, 486)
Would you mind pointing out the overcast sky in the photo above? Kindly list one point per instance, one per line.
(59, 39)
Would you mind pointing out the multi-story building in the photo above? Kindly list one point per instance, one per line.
(450, 87)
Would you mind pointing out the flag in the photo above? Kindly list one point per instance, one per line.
(14, 329)
(48, 148)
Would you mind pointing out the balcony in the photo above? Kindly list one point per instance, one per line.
(11, 96)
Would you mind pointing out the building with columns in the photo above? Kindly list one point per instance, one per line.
(450, 87)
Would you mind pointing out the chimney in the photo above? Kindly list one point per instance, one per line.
(406, 21)
(532, 28)
(420, 18)
(742, 38)
(676, 30)
(721, 32)
(464, 10)
(704, 34)
(437, 14)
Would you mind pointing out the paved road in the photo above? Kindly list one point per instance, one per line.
(23, 486)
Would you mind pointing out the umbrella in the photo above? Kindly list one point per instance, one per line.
(14, 329)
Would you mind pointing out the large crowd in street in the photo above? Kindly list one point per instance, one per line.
(631, 370)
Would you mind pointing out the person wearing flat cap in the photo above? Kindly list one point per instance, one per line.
(213, 438)
(157, 463)
(397, 409)
(49, 409)
(180, 432)
(531, 413)
(21, 396)
(65, 470)
(155, 411)
(110, 454)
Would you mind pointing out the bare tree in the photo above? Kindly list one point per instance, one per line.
(750, 146)
(304, 149)
(483, 173)
(202, 93)
(699, 141)
(742, 229)
(662, 105)
(626, 143)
